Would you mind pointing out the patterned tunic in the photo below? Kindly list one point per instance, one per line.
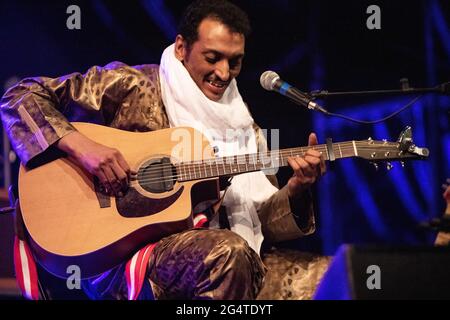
(37, 112)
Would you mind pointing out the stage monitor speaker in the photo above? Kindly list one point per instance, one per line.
(366, 272)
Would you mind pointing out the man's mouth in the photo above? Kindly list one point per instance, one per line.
(217, 84)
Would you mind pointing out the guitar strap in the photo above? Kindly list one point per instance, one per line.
(136, 269)
(25, 268)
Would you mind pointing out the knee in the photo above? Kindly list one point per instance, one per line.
(234, 245)
(237, 267)
(233, 253)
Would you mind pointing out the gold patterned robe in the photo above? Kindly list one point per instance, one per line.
(37, 112)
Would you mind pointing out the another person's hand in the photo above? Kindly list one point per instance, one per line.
(106, 163)
(307, 169)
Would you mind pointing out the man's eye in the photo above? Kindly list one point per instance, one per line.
(234, 64)
(211, 60)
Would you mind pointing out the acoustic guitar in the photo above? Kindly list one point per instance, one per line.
(70, 222)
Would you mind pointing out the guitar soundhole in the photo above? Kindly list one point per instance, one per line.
(157, 175)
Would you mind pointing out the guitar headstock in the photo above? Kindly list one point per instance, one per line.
(401, 150)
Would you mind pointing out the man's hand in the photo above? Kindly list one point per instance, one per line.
(307, 169)
(107, 164)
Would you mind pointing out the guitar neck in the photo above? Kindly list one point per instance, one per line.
(233, 165)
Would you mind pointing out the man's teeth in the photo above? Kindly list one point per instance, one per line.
(215, 84)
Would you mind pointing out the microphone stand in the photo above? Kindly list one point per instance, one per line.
(443, 88)
(405, 89)
(441, 224)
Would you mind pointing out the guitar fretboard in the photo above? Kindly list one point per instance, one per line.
(233, 165)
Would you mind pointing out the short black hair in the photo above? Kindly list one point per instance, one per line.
(225, 12)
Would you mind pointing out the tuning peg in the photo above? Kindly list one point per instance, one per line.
(389, 166)
(402, 163)
(375, 165)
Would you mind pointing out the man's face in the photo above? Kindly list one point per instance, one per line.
(214, 59)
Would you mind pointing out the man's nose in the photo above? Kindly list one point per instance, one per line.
(223, 70)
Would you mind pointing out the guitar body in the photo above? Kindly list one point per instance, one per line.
(70, 223)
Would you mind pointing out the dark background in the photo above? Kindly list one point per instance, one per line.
(312, 45)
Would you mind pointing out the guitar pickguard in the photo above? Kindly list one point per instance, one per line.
(133, 204)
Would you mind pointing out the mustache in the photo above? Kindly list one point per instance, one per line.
(218, 81)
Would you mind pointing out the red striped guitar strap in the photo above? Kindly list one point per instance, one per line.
(25, 267)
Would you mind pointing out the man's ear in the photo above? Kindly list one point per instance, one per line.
(180, 48)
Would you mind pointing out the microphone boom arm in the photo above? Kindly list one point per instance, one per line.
(442, 88)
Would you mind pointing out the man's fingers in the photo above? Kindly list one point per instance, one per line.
(124, 165)
(313, 153)
(314, 161)
(323, 166)
(312, 139)
(103, 180)
(296, 167)
(293, 163)
(307, 169)
(302, 168)
(113, 181)
(315, 158)
(121, 175)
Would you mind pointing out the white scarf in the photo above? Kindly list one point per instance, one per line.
(223, 123)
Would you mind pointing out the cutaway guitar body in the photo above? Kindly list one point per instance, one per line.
(70, 222)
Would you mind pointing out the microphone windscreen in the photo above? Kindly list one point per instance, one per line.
(268, 79)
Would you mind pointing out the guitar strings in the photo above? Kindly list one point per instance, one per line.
(271, 154)
(202, 165)
(266, 155)
(199, 167)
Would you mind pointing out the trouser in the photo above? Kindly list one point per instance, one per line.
(205, 264)
(193, 264)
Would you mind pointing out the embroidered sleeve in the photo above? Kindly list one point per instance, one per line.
(35, 111)
(282, 219)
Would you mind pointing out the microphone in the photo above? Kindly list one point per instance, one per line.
(271, 81)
